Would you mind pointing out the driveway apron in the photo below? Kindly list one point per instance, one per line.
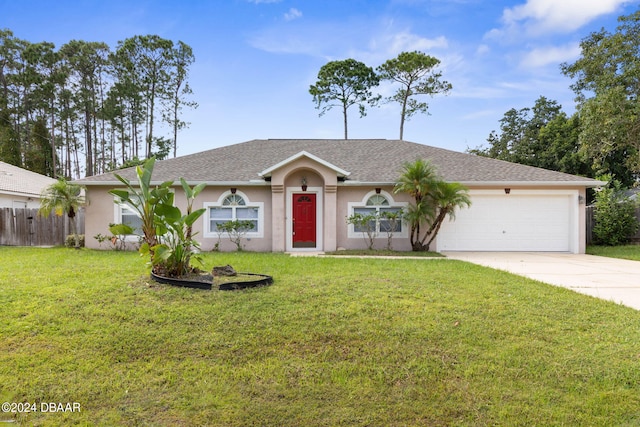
(611, 279)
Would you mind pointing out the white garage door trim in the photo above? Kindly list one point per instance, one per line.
(524, 220)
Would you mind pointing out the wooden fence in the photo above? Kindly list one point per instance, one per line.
(590, 222)
(24, 227)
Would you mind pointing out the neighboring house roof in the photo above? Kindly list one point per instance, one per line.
(15, 180)
(360, 160)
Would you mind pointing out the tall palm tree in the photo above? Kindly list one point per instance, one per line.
(63, 198)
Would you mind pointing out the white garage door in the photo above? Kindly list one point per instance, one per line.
(510, 222)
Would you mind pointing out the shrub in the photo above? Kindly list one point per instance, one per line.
(70, 241)
(236, 230)
(614, 216)
(365, 223)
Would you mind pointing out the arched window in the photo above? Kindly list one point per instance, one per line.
(377, 200)
(233, 200)
(384, 212)
(234, 207)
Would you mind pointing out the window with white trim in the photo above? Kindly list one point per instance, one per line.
(234, 207)
(126, 214)
(378, 205)
(131, 218)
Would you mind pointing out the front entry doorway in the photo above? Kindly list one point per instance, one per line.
(304, 220)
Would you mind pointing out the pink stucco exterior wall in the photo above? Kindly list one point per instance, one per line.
(275, 198)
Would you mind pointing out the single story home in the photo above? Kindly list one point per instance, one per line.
(299, 192)
(21, 188)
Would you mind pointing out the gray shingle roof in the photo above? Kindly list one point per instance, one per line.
(17, 180)
(367, 160)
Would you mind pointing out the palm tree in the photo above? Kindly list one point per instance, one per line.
(434, 200)
(62, 198)
(418, 180)
(447, 196)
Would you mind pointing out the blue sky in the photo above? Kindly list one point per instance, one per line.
(255, 59)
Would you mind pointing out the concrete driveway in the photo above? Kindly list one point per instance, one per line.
(607, 278)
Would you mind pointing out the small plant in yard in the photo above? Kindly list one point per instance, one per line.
(236, 230)
(389, 221)
(365, 223)
(74, 240)
(118, 237)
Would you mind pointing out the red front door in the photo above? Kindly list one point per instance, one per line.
(304, 220)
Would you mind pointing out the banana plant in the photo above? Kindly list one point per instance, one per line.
(177, 248)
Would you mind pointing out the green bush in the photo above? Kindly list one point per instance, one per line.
(236, 230)
(614, 216)
(71, 243)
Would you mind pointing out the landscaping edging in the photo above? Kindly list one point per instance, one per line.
(261, 280)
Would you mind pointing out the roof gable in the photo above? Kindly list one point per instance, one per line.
(340, 172)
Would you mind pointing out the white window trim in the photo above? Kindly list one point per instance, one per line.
(117, 218)
(248, 204)
(352, 234)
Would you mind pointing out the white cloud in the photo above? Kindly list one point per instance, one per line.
(405, 41)
(372, 44)
(483, 49)
(292, 14)
(391, 42)
(542, 16)
(540, 57)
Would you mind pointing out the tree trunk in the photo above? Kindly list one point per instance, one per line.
(403, 113)
(344, 115)
(435, 227)
(54, 163)
(88, 142)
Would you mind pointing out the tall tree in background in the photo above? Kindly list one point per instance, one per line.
(148, 60)
(86, 61)
(416, 74)
(607, 84)
(178, 89)
(519, 140)
(344, 84)
(53, 76)
(10, 148)
(542, 136)
(39, 156)
(10, 65)
(97, 106)
(10, 151)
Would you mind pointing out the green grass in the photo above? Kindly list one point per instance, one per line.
(334, 341)
(383, 252)
(631, 252)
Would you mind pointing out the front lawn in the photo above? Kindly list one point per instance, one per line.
(334, 341)
(384, 253)
(631, 252)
